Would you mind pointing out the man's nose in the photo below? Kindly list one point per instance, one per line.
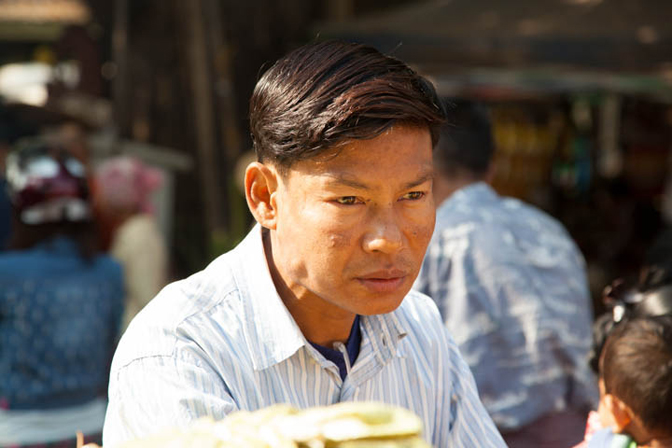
(384, 233)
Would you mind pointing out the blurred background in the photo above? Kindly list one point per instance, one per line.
(580, 93)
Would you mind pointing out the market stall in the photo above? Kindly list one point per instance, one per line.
(579, 93)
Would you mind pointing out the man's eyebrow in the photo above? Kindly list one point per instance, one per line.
(348, 182)
(426, 175)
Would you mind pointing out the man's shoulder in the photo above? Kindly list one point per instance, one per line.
(524, 211)
(493, 219)
(458, 219)
(183, 310)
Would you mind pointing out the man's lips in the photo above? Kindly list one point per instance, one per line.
(384, 274)
(383, 281)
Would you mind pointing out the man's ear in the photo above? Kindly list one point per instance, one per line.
(261, 184)
(620, 412)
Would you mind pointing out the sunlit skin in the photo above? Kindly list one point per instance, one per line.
(348, 229)
(607, 419)
(617, 415)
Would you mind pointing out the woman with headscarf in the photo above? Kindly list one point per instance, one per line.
(60, 305)
(123, 188)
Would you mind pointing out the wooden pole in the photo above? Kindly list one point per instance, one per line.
(201, 83)
(120, 92)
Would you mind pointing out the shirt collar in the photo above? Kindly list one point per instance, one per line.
(270, 324)
(385, 332)
(267, 320)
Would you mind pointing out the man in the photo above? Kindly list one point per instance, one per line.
(313, 307)
(511, 287)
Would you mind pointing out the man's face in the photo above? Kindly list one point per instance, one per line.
(353, 224)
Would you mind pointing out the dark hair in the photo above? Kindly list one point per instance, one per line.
(46, 181)
(637, 368)
(650, 297)
(466, 142)
(327, 93)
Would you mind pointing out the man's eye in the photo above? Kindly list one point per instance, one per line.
(413, 195)
(347, 200)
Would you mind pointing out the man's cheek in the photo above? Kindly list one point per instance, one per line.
(421, 230)
(339, 240)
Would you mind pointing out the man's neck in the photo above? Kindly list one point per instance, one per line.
(320, 322)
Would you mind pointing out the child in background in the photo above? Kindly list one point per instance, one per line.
(636, 385)
(651, 297)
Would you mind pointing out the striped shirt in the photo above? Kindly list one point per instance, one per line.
(511, 286)
(222, 340)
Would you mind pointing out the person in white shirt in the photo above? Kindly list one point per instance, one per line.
(314, 306)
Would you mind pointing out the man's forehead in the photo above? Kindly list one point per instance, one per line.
(345, 175)
(403, 150)
(362, 177)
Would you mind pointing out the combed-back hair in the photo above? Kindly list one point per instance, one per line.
(636, 366)
(466, 142)
(325, 94)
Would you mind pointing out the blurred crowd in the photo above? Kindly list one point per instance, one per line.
(512, 288)
(81, 254)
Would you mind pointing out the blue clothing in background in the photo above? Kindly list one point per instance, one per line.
(511, 287)
(59, 319)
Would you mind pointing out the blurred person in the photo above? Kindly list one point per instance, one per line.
(123, 188)
(314, 306)
(60, 305)
(511, 286)
(636, 385)
(11, 129)
(72, 135)
(19, 121)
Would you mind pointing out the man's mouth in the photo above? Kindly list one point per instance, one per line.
(384, 281)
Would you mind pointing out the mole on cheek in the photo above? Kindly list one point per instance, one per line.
(338, 240)
(424, 232)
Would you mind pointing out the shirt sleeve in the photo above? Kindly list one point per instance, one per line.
(155, 393)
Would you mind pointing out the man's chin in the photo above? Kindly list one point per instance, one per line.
(380, 304)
